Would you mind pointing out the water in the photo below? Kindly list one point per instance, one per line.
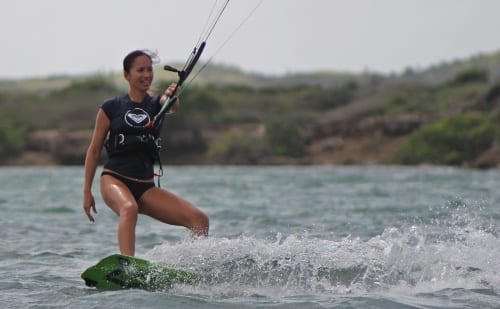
(281, 237)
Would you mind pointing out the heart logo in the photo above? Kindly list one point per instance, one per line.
(137, 117)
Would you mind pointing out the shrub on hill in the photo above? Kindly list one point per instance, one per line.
(452, 141)
(12, 137)
(472, 75)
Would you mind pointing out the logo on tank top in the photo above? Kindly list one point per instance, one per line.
(136, 117)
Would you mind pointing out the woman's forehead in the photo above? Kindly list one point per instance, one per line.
(142, 61)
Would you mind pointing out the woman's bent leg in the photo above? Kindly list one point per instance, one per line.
(172, 209)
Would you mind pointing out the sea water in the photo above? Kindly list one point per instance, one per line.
(280, 237)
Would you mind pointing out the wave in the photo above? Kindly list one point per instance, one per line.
(416, 260)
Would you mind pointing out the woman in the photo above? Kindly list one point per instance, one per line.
(127, 184)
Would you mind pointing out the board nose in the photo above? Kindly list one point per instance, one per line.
(90, 283)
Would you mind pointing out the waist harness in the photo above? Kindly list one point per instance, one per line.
(122, 143)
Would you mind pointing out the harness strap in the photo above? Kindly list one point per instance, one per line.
(160, 170)
(158, 159)
(120, 143)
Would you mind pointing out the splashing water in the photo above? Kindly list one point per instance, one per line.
(409, 260)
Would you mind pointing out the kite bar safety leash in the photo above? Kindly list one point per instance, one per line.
(190, 63)
(192, 60)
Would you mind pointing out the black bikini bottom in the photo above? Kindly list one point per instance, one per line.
(137, 188)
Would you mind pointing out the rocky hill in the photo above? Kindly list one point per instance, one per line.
(445, 114)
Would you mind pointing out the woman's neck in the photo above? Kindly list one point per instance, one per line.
(136, 96)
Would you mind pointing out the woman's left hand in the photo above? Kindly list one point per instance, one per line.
(169, 92)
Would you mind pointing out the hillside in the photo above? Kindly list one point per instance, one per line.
(444, 114)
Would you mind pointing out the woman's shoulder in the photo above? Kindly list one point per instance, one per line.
(112, 105)
(124, 101)
(115, 100)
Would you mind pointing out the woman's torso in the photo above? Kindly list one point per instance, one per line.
(128, 118)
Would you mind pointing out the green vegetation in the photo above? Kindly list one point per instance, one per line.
(237, 148)
(447, 115)
(472, 75)
(12, 136)
(452, 141)
(247, 145)
(284, 139)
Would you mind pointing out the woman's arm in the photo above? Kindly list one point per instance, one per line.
(92, 160)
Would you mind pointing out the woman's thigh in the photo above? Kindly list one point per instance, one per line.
(168, 207)
(116, 194)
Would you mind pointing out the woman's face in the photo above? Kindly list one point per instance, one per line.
(140, 75)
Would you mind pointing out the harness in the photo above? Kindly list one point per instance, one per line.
(122, 143)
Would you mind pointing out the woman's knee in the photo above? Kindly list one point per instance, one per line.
(129, 210)
(202, 218)
(200, 223)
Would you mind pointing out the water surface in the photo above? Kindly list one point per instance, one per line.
(281, 237)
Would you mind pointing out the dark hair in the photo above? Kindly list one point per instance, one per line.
(129, 59)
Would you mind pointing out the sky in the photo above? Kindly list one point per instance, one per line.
(72, 37)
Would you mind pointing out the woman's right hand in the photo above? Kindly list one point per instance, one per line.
(88, 205)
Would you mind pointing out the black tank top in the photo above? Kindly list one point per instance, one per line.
(127, 117)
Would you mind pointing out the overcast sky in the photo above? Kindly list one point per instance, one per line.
(47, 37)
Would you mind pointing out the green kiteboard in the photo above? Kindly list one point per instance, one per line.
(118, 271)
